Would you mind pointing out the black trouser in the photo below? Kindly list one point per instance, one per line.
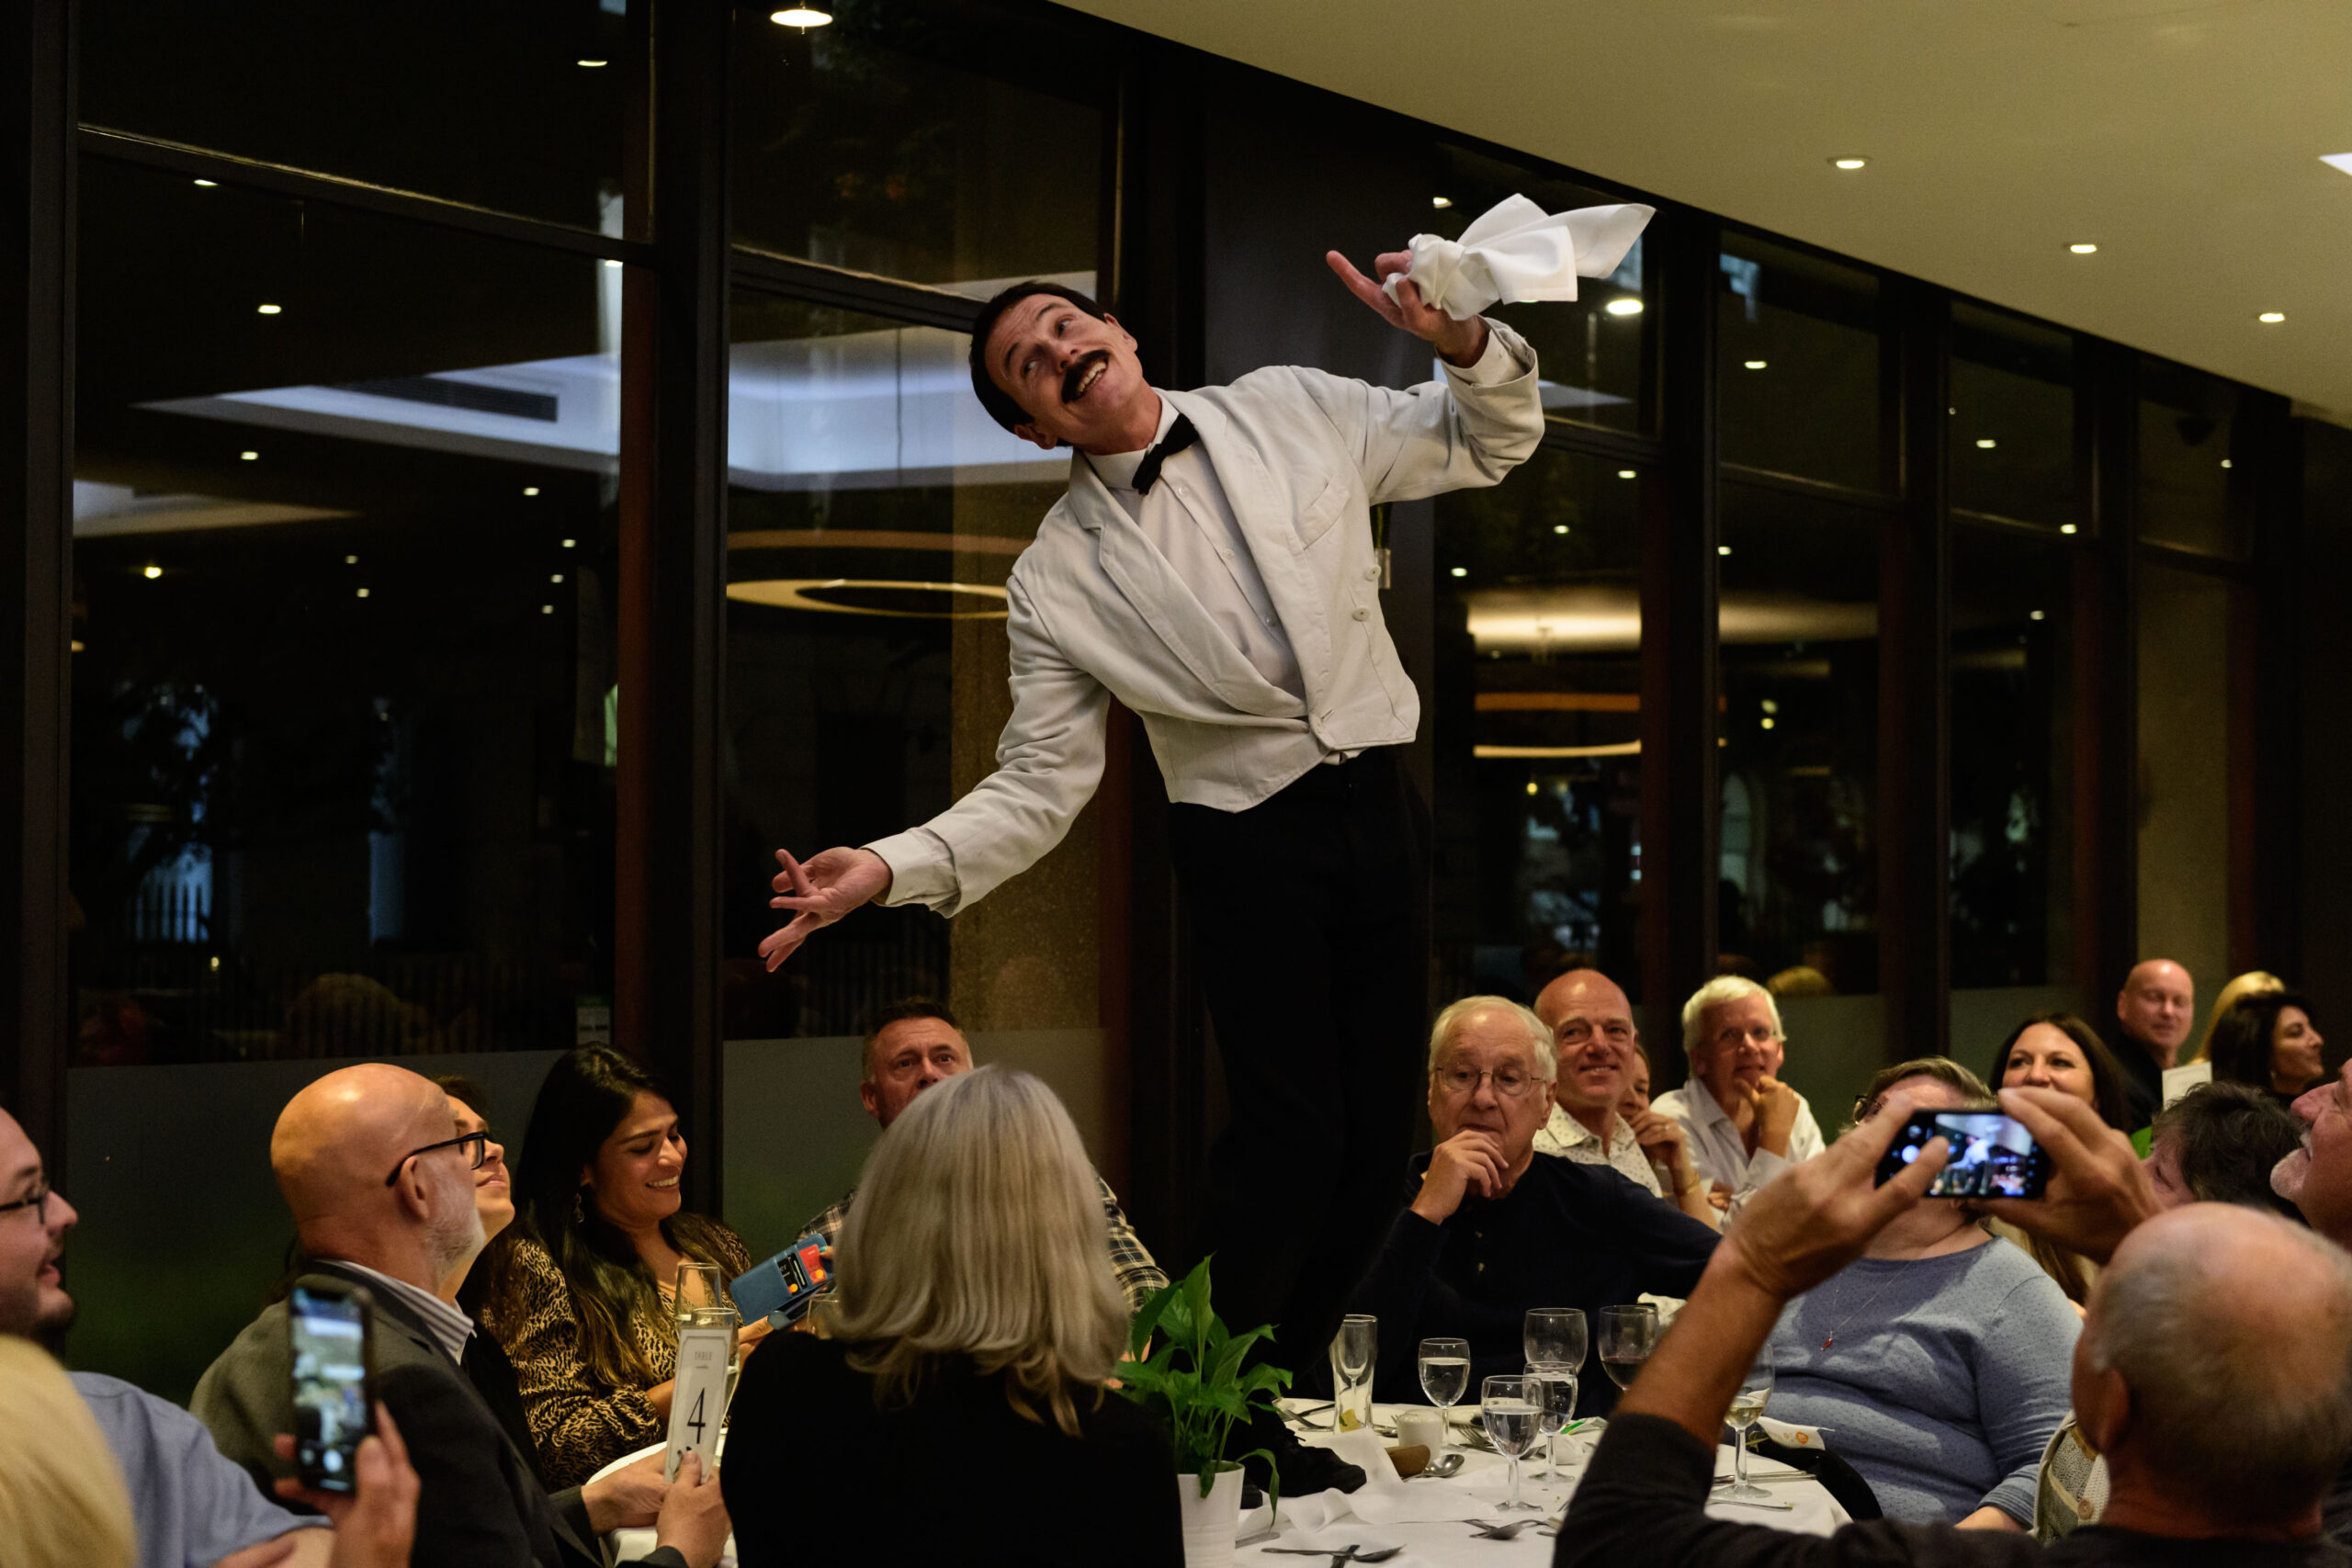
(1311, 930)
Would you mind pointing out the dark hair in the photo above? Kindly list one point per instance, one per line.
(2108, 1096)
(1973, 1095)
(2242, 1036)
(996, 399)
(2227, 1138)
(900, 1011)
(588, 1092)
(465, 1091)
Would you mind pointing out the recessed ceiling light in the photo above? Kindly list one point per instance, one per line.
(1627, 474)
(269, 310)
(1441, 201)
(362, 593)
(208, 185)
(2272, 317)
(1623, 305)
(2225, 462)
(594, 64)
(1461, 571)
(2084, 250)
(1559, 527)
(1766, 723)
(555, 577)
(351, 560)
(2035, 615)
(152, 571)
(1723, 549)
(2065, 527)
(569, 543)
(547, 609)
(1849, 164)
(1753, 363)
(2339, 160)
(76, 644)
(800, 17)
(249, 457)
(530, 490)
(1985, 443)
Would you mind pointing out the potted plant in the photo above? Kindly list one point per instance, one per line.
(1196, 1381)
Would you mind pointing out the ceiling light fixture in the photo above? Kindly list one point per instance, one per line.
(592, 64)
(1723, 549)
(1441, 201)
(1766, 723)
(1849, 164)
(530, 490)
(1623, 305)
(249, 457)
(547, 609)
(2035, 615)
(269, 310)
(2066, 528)
(351, 560)
(1627, 474)
(1461, 571)
(2271, 318)
(2336, 159)
(1753, 363)
(2084, 250)
(1985, 444)
(1559, 527)
(152, 571)
(362, 593)
(555, 577)
(801, 17)
(569, 543)
(2225, 462)
(208, 185)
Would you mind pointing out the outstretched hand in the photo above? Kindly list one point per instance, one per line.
(1817, 1216)
(1460, 342)
(828, 887)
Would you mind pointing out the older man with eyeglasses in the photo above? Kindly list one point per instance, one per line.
(1489, 1230)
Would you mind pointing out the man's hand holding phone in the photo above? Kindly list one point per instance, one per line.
(376, 1523)
(2099, 1187)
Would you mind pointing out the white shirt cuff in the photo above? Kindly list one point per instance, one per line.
(1496, 366)
(922, 868)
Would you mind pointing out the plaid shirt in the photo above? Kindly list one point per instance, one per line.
(1140, 1277)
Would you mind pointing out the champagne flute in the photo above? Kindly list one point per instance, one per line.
(1353, 1350)
(1511, 1410)
(1628, 1334)
(1445, 1378)
(1746, 1407)
(700, 1300)
(1557, 1382)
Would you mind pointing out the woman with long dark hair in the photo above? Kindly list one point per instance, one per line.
(2268, 1041)
(580, 1296)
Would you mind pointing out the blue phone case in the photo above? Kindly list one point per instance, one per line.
(782, 1287)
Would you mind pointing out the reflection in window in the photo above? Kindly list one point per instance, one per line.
(2012, 773)
(875, 514)
(1797, 366)
(2184, 773)
(343, 588)
(409, 96)
(2012, 417)
(1597, 354)
(1537, 726)
(2188, 430)
(937, 146)
(1799, 671)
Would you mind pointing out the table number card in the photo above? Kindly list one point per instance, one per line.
(698, 1398)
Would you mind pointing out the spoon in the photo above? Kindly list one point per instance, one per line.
(1439, 1469)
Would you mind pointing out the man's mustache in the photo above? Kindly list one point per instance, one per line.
(1076, 372)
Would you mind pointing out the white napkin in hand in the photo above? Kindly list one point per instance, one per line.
(1515, 253)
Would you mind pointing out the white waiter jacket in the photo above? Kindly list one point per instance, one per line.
(1096, 612)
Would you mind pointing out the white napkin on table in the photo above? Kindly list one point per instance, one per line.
(1791, 1436)
(1516, 253)
(1385, 1497)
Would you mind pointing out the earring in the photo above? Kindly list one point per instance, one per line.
(579, 1212)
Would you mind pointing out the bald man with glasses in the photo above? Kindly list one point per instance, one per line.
(1489, 1230)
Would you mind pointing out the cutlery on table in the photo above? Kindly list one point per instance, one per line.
(1338, 1556)
(1488, 1531)
(1439, 1469)
(1754, 1503)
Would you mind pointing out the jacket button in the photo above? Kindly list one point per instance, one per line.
(1360, 612)
(1372, 574)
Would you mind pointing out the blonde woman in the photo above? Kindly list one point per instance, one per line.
(62, 1499)
(978, 1323)
(2253, 983)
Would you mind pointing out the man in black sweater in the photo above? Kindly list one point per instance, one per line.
(1491, 1228)
(2214, 1372)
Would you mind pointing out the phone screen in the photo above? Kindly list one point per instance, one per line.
(332, 1397)
(1992, 1155)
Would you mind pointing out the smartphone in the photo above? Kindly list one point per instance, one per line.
(1992, 1155)
(785, 1285)
(331, 1326)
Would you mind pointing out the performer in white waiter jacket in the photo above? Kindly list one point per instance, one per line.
(1211, 566)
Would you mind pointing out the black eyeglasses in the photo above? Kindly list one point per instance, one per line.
(480, 1142)
(37, 1200)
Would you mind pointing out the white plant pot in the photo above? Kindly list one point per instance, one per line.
(1211, 1522)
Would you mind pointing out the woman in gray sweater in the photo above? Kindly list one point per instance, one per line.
(1938, 1361)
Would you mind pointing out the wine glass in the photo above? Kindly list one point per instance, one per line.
(1511, 1408)
(1445, 1378)
(1746, 1407)
(1557, 1382)
(1628, 1334)
(700, 1300)
(1554, 1337)
(1353, 1350)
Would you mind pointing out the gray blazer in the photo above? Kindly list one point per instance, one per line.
(480, 1505)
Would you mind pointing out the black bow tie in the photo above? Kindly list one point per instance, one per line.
(1180, 435)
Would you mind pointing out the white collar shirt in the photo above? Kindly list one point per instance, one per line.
(1719, 1153)
(450, 1328)
(1568, 1138)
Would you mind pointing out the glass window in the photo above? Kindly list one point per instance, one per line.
(2012, 417)
(410, 96)
(2185, 751)
(935, 146)
(343, 557)
(1799, 627)
(1798, 365)
(2190, 492)
(1538, 727)
(1597, 354)
(874, 514)
(2012, 757)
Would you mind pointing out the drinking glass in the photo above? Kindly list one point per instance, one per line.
(1746, 1407)
(1445, 1378)
(1511, 1410)
(1556, 1383)
(1628, 1334)
(1353, 1350)
(1555, 1335)
(701, 1301)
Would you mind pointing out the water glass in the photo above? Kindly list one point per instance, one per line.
(1446, 1376)
(1511, 1410)
(700, 1300)
(1628, 1334)
(1556, 1383)
(1555, 1335)
(1353, 1351)
(1754, 1389)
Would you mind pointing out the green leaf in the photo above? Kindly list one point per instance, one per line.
(1139, 1331)
(1273, 1479)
